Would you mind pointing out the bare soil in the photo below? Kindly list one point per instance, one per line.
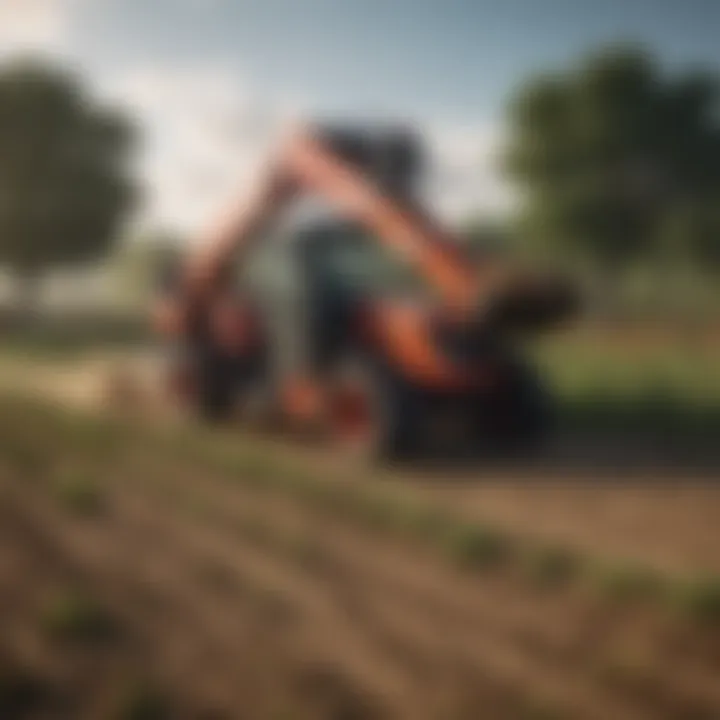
(612, 496)
(226, 602)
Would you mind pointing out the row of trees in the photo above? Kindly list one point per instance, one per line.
(617, 162)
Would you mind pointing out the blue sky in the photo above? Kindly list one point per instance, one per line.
(204, 76)
(419, 56)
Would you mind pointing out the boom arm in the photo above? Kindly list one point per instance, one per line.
(309, 165)
(402, 228)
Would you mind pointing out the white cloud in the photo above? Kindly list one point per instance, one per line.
(465, 176)
(36, 25)
(206, 134)
(207, 131)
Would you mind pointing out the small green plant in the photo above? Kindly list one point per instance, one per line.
(101, 440)
(552, 566)
(700, 599)
(141, 700)
(427, 523)
(25, 457)
(79, 493)
(258, 466)
(627, 583)
(476, 547)
(71, 615)
(417, 521)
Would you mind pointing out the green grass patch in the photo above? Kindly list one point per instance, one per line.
(626, 582)
(477, 548)
(609, 380)
(699, 600)
(27, 460)
(427, 522)
(142, 700)
(552, 567)
(378, 511)
(69, 335)
(79, 493)
(72, 615)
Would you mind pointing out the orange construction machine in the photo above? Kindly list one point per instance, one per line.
(371, 324)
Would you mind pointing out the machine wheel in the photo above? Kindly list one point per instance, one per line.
(525, 410)
(216, 387)
(370, 412)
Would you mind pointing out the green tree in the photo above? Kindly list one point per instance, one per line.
(618, 161)
(64, 178)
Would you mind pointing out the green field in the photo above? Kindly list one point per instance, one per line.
(665, 378)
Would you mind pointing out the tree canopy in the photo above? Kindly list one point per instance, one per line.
(620, 161)
(64, 179)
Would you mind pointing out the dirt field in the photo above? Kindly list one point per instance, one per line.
(140, 580)
(150, 572)
(616, 496)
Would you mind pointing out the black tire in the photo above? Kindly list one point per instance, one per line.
(215, 393)
(529, 417)
(394, 409)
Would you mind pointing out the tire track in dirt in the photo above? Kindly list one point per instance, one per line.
(397, 597)
(621, 511)
(49, 676)
(561, 630)
(318, 597)
(613, 515)
(143, 541)
(203, 632)
(151, 534)
(158, 537)
(374, 584)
